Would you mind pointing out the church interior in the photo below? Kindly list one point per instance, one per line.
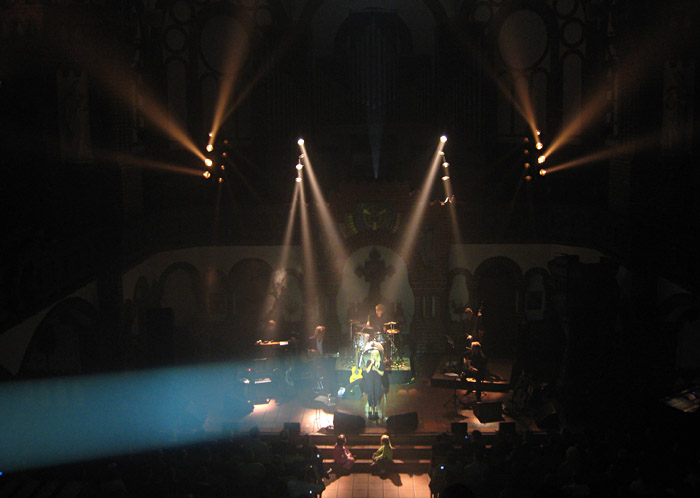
(232, 217)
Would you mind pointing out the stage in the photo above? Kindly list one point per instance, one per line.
(436, 398)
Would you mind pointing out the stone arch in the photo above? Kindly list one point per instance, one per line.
(461, 288)
(179, 289)
(536, 293)
(66, 342)
(499, 281)
(249, 280)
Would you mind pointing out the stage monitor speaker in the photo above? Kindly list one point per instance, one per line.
(488, 411)
(406, 422)
(459, 428)
(293, 428)
(347, 422)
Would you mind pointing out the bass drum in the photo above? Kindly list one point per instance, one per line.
(360, 340)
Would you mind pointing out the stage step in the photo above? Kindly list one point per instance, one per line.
(420, 466)
(409, 452)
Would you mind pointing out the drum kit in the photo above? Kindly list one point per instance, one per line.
(384, 340)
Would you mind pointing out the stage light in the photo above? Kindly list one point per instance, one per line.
(223, 167)
(300, 141)
(299, 166)
(206, 174)
(211, 134)
(527, 165)
(443, 139)
(298, 179)
(442, 152)
(208, 162)
(539, 146)
(541, 159)
(543, 172)
(538, 132)
(210, 148)
(221, 180)
(445, 178)
(224, 154)
(526, 140)
(445, 164)
(528, 178)
(526, 152)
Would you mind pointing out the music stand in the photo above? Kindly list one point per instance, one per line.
(454, 398)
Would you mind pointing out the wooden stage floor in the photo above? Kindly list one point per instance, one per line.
(436, 405)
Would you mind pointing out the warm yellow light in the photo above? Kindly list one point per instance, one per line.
(210, 148)
(206, 174)
(526, 140)
(543, 172)
(211, 134)
(445, 164)
(527, 165)
(223, 167)
(298, 179)
(541, 159)
(299, 166)
(539, 145)
(538, 132)
(224, 154)
(300, 141)
(445, 178)
(443, 139)
(221, 180)
(526, 152)
(528, 178)
(208, 162)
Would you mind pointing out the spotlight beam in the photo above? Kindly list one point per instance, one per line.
(271, 311)
(408, 240)
(237, 51)
(603, 154)
(127, 160)
(115, 74)
(310, 273)
(327, 223)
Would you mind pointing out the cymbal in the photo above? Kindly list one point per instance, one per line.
(391, 323)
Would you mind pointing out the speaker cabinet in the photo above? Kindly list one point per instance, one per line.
(347, 422)
(293, 428)
(459, 428)
(406, 422)
(488, 411)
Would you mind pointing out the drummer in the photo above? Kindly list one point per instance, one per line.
(376, 320)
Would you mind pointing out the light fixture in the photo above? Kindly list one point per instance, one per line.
(541, 159)
(539, 146)
(208, 162)
(299, 166)
(527, 165)
(443, 139)
(445, 178)
(300, 141)
(210, 148)
(206, 174)
(445, 164)
(528, 178)
(543, 172)
(298, 179)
